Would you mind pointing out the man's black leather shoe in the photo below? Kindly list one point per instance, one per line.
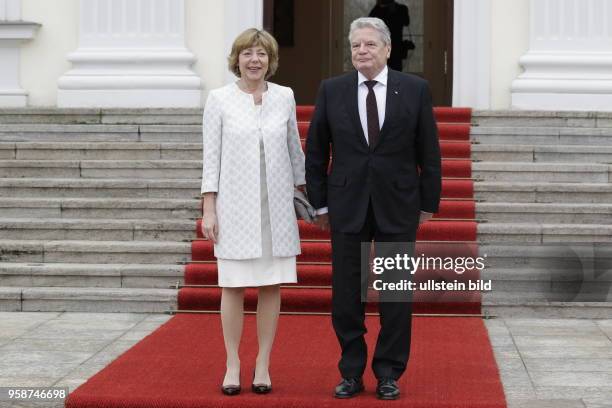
(349, 387)
(387, 389)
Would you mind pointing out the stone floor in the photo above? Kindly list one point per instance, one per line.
(544, 363)
(556, 363)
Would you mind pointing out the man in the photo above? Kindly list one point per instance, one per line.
(385, 179)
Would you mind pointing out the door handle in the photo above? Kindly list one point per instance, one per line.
(445, 62)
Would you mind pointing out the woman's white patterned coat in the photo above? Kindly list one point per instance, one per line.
(231, 168)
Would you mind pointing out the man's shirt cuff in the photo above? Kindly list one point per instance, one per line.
(321, 211)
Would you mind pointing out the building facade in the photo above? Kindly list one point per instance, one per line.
(503, 54)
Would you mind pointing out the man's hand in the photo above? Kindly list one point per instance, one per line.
(322, 221)
(425, 216)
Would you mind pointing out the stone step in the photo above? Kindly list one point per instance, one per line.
(547, 172)
(543, 279)
(532, 284)
(194, 116)
(101, 133)
(540, 118)
(111, 208)
(551, 136)
(541, 192)
(495, 232)
(540, 154)
(191, 169)
(96, 230)
(94, 252)
(90, 275)
(78, 299)
(169, 169)
(564, 260)
(521, 297)
(511, 306)
(90, 188)
(184, 230)
(37, 115)
(100, 151)
(193, 151)
(502, 192)
(549, 213)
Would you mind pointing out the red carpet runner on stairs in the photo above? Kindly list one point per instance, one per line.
(181, 364)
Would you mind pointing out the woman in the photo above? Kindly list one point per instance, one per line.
(252, 162)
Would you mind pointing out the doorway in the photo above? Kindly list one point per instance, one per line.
(308, 33)
(313, 44)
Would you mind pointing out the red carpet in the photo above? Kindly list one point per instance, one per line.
(451, 365)
(182, 365)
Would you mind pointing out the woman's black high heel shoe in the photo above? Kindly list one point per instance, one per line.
(260, 388)
(230, 389)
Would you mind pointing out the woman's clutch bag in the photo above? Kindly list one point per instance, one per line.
(303, 209)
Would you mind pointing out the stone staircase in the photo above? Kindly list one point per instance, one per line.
(544, 193)
(98, 207)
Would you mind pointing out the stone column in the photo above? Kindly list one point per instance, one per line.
(569, 62)
(472, 53)
(131, 53)
(13, 31)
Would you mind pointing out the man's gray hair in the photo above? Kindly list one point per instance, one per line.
(371, 22)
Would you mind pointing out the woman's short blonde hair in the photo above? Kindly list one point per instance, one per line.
(253, 38)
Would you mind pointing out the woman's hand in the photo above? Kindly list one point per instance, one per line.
(210, 225)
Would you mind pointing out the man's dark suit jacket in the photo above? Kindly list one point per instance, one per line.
(401, 173)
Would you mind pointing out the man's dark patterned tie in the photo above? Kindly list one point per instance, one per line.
(372, 114)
